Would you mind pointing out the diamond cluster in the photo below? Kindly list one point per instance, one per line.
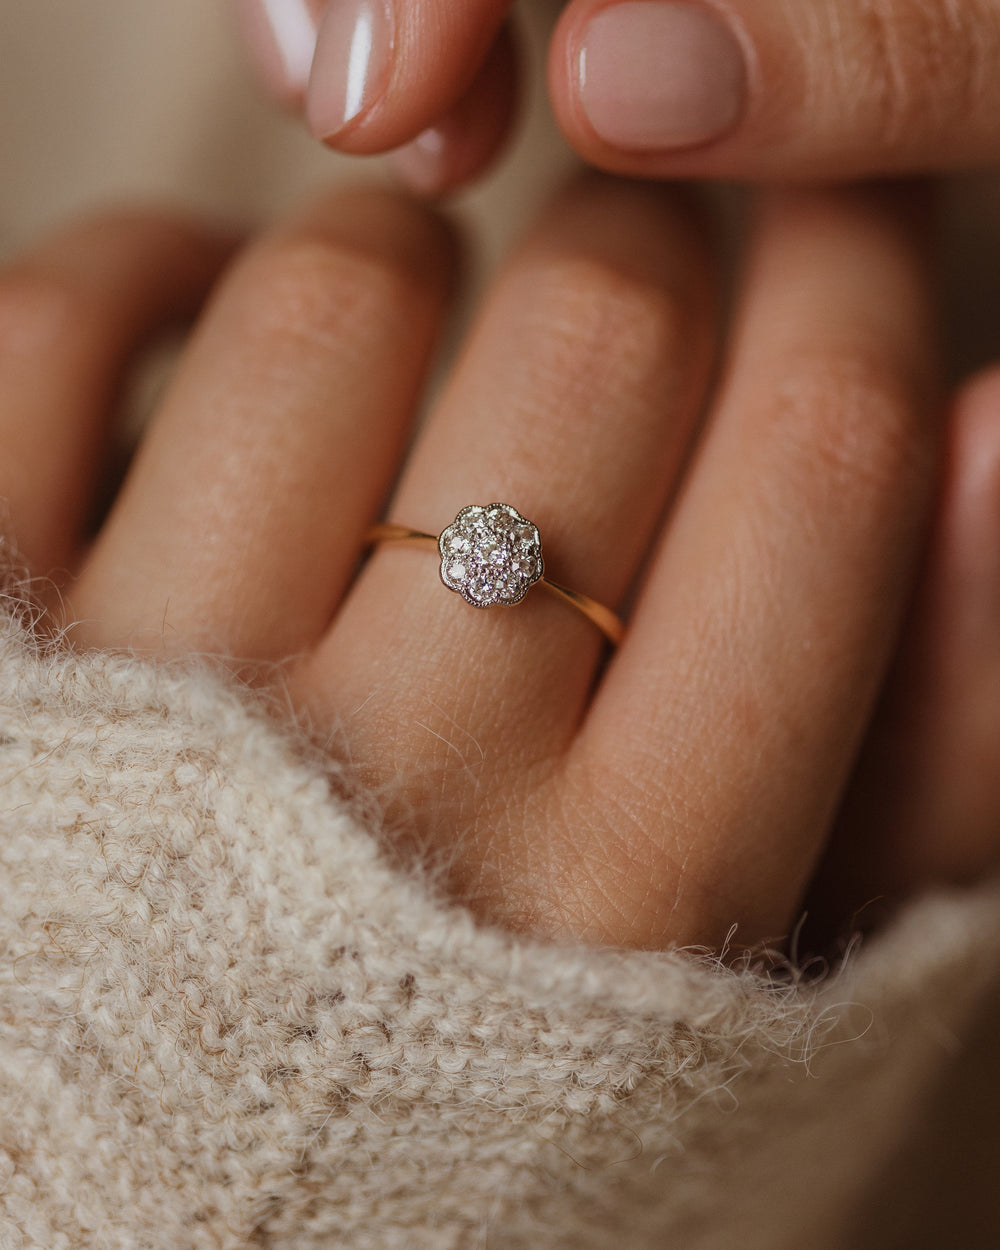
(490, 555)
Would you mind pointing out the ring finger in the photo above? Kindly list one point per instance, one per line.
(574, 401)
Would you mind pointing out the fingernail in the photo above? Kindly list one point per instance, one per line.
(654, 76)
(281, 37)
(351, 64)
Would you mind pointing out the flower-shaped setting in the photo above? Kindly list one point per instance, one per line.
(490, 554)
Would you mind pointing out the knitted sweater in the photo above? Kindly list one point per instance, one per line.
(226, 1020)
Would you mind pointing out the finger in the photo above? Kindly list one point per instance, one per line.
(780, 89)
(924, 806)
(386, 70)
(466, 140)
(280, 40)
(73, 311)
(734, 710)
(573, 401)
(241, 520)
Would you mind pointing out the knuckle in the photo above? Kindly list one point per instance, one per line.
(852, 426)
(162, 228)
(38, 310)
(931, 66)
(313, 291)
(603, 332)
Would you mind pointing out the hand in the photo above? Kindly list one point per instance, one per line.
(690, 783)
(750, 89)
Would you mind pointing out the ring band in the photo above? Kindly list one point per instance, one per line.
(491, 555)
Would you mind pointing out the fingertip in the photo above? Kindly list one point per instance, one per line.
(974, 477)
(384, 71)
(956, 835)
(468, 139)
(767, 92)
(425, 165)
(926, 801)
(638, 86)
(978, 400)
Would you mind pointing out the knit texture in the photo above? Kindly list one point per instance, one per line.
(226, 1020)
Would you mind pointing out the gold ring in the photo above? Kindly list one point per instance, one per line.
(491, 555)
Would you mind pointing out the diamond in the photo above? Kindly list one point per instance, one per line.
(501, 520)
(490, 555)
(480, 588)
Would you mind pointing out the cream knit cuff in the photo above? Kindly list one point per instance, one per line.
(226, 1021)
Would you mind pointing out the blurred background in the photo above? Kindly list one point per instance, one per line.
(104, 100)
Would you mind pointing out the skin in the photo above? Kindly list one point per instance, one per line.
(836, 89)
(766, 535)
